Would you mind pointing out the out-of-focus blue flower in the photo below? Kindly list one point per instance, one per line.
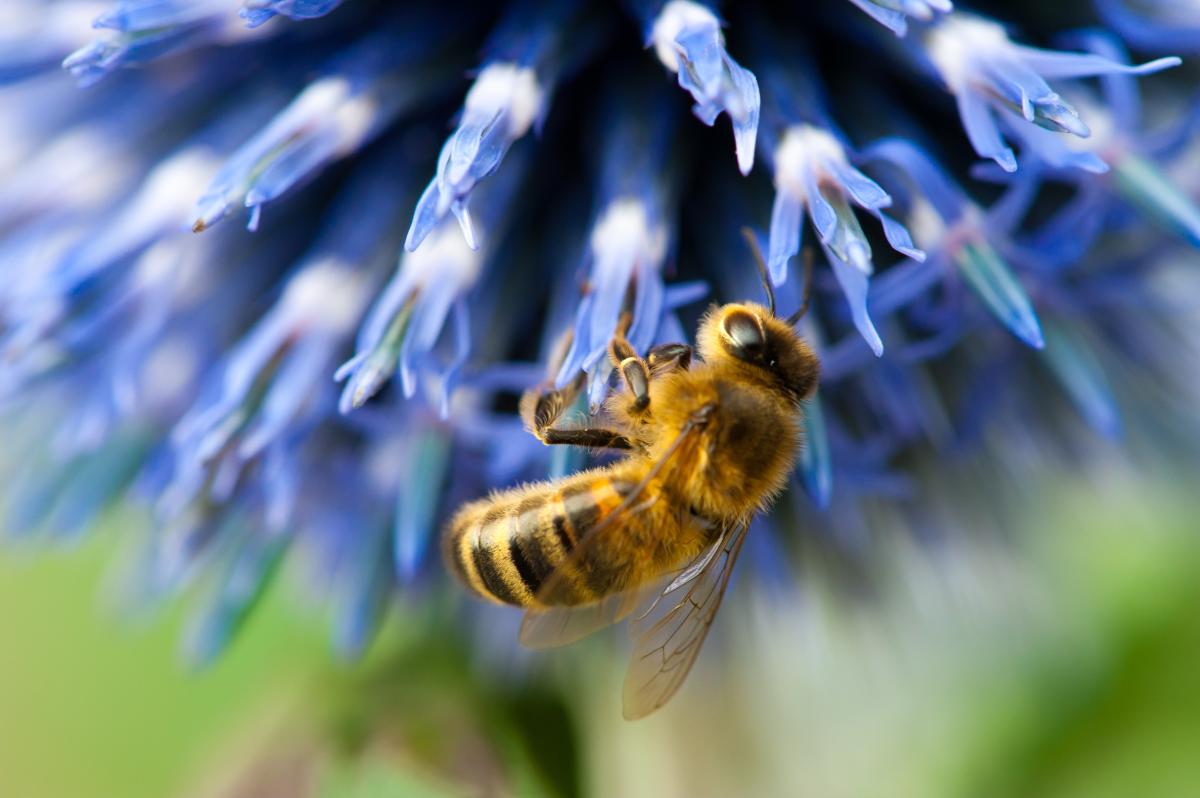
(814, 176)
(428, 292)
(1159, 26)
(896, 13)
(1000, 84)
(957, 232)
(35, 34)
(242, 435)
(193, 376)
(137, 31)
(1119, 160)
(628, 247)
(686, 37)
(256, 12)
(331, 118)
(510, 95)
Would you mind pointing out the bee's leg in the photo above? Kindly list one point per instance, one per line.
(592, 437)
(634, 371)
(669, 357)
(541, 408)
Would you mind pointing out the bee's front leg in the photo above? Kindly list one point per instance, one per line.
(634, 372)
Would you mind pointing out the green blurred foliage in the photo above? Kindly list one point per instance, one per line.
(1062, 665)
(90, 707)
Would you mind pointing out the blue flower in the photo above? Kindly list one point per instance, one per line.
(1120, 161)
(813, 172)
(1158, 26)
(686, 37)
(814, 175)
(196, 376)
(238, 442)
(957, 232)
(509, 96)
(628, 246)
(256, 12)
(428, 293)
(332, 118)
(997, 82)
(136, 31)
(896, 13)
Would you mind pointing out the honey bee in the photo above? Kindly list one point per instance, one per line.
(654, 534)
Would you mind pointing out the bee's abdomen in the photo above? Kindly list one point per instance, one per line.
(506, 548)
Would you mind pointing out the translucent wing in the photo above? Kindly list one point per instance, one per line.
(549, 627)
(555, 619)
(667, 636)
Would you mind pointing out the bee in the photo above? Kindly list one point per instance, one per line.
(655, 534)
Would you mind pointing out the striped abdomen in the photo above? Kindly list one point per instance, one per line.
(506, 547)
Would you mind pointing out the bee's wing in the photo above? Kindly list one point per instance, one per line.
(668, 635)
(554, 620)
(548, 627)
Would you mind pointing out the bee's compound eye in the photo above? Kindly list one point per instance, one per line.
(744, 332)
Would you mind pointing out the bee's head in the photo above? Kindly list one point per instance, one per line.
(751, 336)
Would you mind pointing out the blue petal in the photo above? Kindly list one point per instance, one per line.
(1053, 64)
(787, 230)
(1079, 372)
(977, 119)
(994, 283)
(816, 463)
(256, 12)
(240, 585)
(854, 287)
(1142, 184)
(417, 499)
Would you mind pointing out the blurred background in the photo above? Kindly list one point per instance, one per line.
(1059, 663)
(274, 275)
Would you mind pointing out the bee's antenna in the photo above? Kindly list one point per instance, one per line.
(807, 255)
(756, 251)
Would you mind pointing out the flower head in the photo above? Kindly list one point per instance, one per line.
(194, 375)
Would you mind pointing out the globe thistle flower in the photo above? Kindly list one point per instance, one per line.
(813, 172)
(256, 12)
(322, 386)
(136, 31)
(686, 37)
(960, 233)
(896, 13)
(1000, 84)
(429, 286)
(1154, 25)
(1120, 160)
(628, 247)
(509, 96)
